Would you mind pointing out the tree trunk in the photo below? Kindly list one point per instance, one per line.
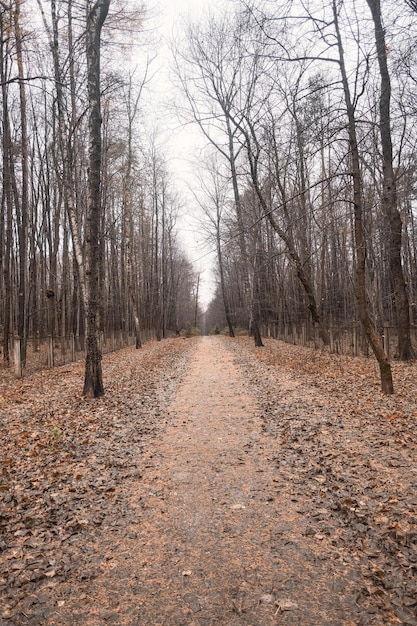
(93, 380)
(286, 238)
(24, 199)
(64, 147)
(129, 271)
(128, 219)
(6, 198)
(222, 278)
(371, 335)
(247, 292)
(197, 288)
(389, 195)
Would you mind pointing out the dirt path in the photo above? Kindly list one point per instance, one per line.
(214, 514)
(212, 485)
(220, 518)
(214, 541)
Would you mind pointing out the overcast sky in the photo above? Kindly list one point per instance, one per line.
(180, 144)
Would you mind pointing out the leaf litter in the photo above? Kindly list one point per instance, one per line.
(66, 464)
(82, 482)
(349, 456)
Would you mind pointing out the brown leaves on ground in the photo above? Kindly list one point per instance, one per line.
(345, 458)
(354, 451)
(66, 463)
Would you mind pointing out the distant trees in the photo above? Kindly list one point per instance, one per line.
(220, 88)
(214, 201)
(323, 138)
(87, 226)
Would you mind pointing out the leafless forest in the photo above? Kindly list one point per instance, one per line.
(305, 188)
(210, 480)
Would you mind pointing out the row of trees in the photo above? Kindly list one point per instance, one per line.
(88, 212)
(308, 192)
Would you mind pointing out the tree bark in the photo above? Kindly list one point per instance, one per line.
(222, 277)
(23, 206)
(93, 379)
(6, 197)
(64, 147)
(286, 237)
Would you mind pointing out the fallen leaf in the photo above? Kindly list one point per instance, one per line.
(285, 605)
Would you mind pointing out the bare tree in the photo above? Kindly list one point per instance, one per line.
(360, 250)
(323, 37)
(389, 194)
(6, 197)
(52, 187)
(22, 206)
(223, 81)
(213, 200)
(93, 379)
(132, 102)
(412, 4)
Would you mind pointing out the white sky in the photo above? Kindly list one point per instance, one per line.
(180, 144)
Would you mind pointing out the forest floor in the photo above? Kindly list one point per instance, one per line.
(215, 483)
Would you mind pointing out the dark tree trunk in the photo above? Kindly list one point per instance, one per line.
(93, 379)
(389, 195)
(371, 335)
(6, 199)
(24, 199)
(256, 334)
(247, 294)
(222, 278)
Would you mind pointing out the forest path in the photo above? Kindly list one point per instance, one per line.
(214, 520)
(214, 483)
(216, 542)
